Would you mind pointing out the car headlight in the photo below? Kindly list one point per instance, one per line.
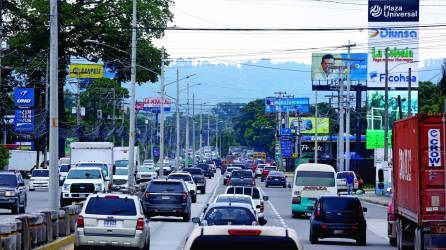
(10, 193)
(66, 187)
(98, 187)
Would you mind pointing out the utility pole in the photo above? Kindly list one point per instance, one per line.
(114, 115)
(209, 128)
(193, 129)
(201, 131)
(54, 110)
(386, 109)
(315, 132)
(409, 104)
(279, 122)
(131, 172)
(347, 123)
(177, 151)
(146, 151)
(341, 121)
(47, 100)
(1, 83)
(186, 151)
(216, 133)
(161, 159)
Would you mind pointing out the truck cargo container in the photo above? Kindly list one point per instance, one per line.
(92, 152)
(419, 182)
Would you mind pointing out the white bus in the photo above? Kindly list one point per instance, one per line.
(311, 180)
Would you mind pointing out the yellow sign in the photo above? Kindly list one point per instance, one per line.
(86, 71)
(308, 125)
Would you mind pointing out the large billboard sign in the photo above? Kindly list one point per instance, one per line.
(154, 105)
(332, 67)
(89, 71)
(300, 105)
(394, 11)
(308, 125)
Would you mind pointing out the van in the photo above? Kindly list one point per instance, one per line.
(311, 180)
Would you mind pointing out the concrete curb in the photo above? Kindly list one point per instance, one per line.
(58, 244)
(373, 201)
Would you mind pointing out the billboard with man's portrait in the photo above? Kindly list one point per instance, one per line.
(333, 66)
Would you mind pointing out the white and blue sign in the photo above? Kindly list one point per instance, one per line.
(156, 109)
(434, 148)
(286, 144)
(285, 131)
(24, 97)
(358, 65)
(394, 11)
(301, 105)
(24, 120)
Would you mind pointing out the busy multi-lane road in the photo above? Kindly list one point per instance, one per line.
(170, 233)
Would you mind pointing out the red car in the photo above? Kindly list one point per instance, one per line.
(266, 170)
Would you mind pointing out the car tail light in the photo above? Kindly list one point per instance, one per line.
(80, 221)
(229, 181)
(253, 182)
(184, 196)
(354, 226)
(243, 232)
(110, 185)
(324, 226)
(262, 206)
(140, 224)
(318, 210)
(147, 195)
(296, 200)
(390, 217)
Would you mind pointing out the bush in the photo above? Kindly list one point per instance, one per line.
(4, 158)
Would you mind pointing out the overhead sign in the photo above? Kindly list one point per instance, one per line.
(394, 11)
(308, 125)
(301, 105)
(24, 120)
(332, 67)
(286, 144)
(24, 97)
(86, 71)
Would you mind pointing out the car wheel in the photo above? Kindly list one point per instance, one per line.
(296, 215)
(266, 185)
(23, 209)
(313, 238)
(186, 217)
(284, 186)
(262, 180)
(15, 209)
(362, 239)
(194, 199)
(203, 190)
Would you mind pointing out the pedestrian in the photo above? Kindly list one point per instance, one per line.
(350, 180)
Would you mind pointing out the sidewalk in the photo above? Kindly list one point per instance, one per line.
(371, 197)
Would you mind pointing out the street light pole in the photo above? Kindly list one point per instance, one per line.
(177, 151)
(186, 151)
(209, 128)
(131, 176)
(201, 131)
(193, 129)
(54, 110)
(161, 159)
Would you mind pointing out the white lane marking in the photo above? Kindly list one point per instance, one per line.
(276, 213)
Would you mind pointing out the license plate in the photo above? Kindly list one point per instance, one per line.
(165, 197)
(276, 179)
(338, 231)
(110, 223)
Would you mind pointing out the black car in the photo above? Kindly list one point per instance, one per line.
(207, 171)
(229, 214)
(167, 198)
(338, 217)
(13, 192)
(199, 179)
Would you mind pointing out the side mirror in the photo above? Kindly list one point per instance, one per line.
(364, 209)
(262, 221)
(114, 169)
(21, 184)
(266, 198)
(196, 220)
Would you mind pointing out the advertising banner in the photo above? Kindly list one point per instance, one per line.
(86, 71)
(394, 11)
(25, 145)
(24, 97)
(308, 125)
(375, 139)
(301, 105)
(286, 144)
(8, 119)
(154, 105)
(24, 120)
(325, 66)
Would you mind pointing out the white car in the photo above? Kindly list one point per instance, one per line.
(81, 182)
(114, 220)
(188, 180)
(249, 237)
(120, 179)
(63, 172)
(39, 179)
(259, 169)
(146, 173)
(256, 195)
(341, 181)
(239, 198)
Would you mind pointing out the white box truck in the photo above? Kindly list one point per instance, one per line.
(122, 154)
(23, 160)
(92, 152)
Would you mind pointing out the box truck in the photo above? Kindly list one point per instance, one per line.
(92, 152)
(419, 182)
(23, 160)
(121, 156)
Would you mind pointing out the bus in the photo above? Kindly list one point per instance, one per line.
(311, 180)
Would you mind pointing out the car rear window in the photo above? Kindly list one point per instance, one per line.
(234, 199)
(122, 171)
(217, 242)
(41, 173)
(229, 216)
(165, 187)
(180, 177)
(194, 170)
(112, 205)
(276, 173)
(203, 166)
(253, 192)
(339, 203)
(239, 174)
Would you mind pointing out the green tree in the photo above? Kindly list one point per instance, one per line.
(429, 98)
(4, 157)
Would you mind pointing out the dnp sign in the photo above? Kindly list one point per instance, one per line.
(434, 152)
(24, 97)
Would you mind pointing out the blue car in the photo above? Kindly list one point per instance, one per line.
(276, 178)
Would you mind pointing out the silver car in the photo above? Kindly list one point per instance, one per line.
(112, 220)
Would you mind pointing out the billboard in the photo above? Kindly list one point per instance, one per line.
(24, 97)
(286, 146)
(308, 125)
(301, 105)
(86, 71)
(24, 120)
(394, 11)
(375, 139)
(153, 104)
(322, 63)
(25, 145)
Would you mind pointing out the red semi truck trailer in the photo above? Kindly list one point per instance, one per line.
(419, 182)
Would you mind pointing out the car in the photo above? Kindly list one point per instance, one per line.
(207, 171)
(199, 179)
(341, 181)
(63, 172)
(81, 182)
(391, 224)
(188, 179)
(167, 198)
(228, 213)
(39, 179)
(237, 237)
(228, 174)
(237, 198)
(259, 169)
(146, 173)
(338, 217)
(113, 220)
(266, 170)
(106, 172)
(257, 196)
(13, 192)
(276, 178)
(120, 179)
(242, 178)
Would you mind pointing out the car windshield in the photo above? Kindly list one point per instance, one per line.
(122, 171)
(9, 180)
(146, 169)
(194, 171)
(225, 242)
(339, 203)
(122, 163)
(241, 174)
(84, 174)
(165, 187)
(104, 167)
(253, 192)
(315, 178)
(64, 168)
(180, 177)
(229, 216)
(111, 205)
(41, 173)
(234, 199)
